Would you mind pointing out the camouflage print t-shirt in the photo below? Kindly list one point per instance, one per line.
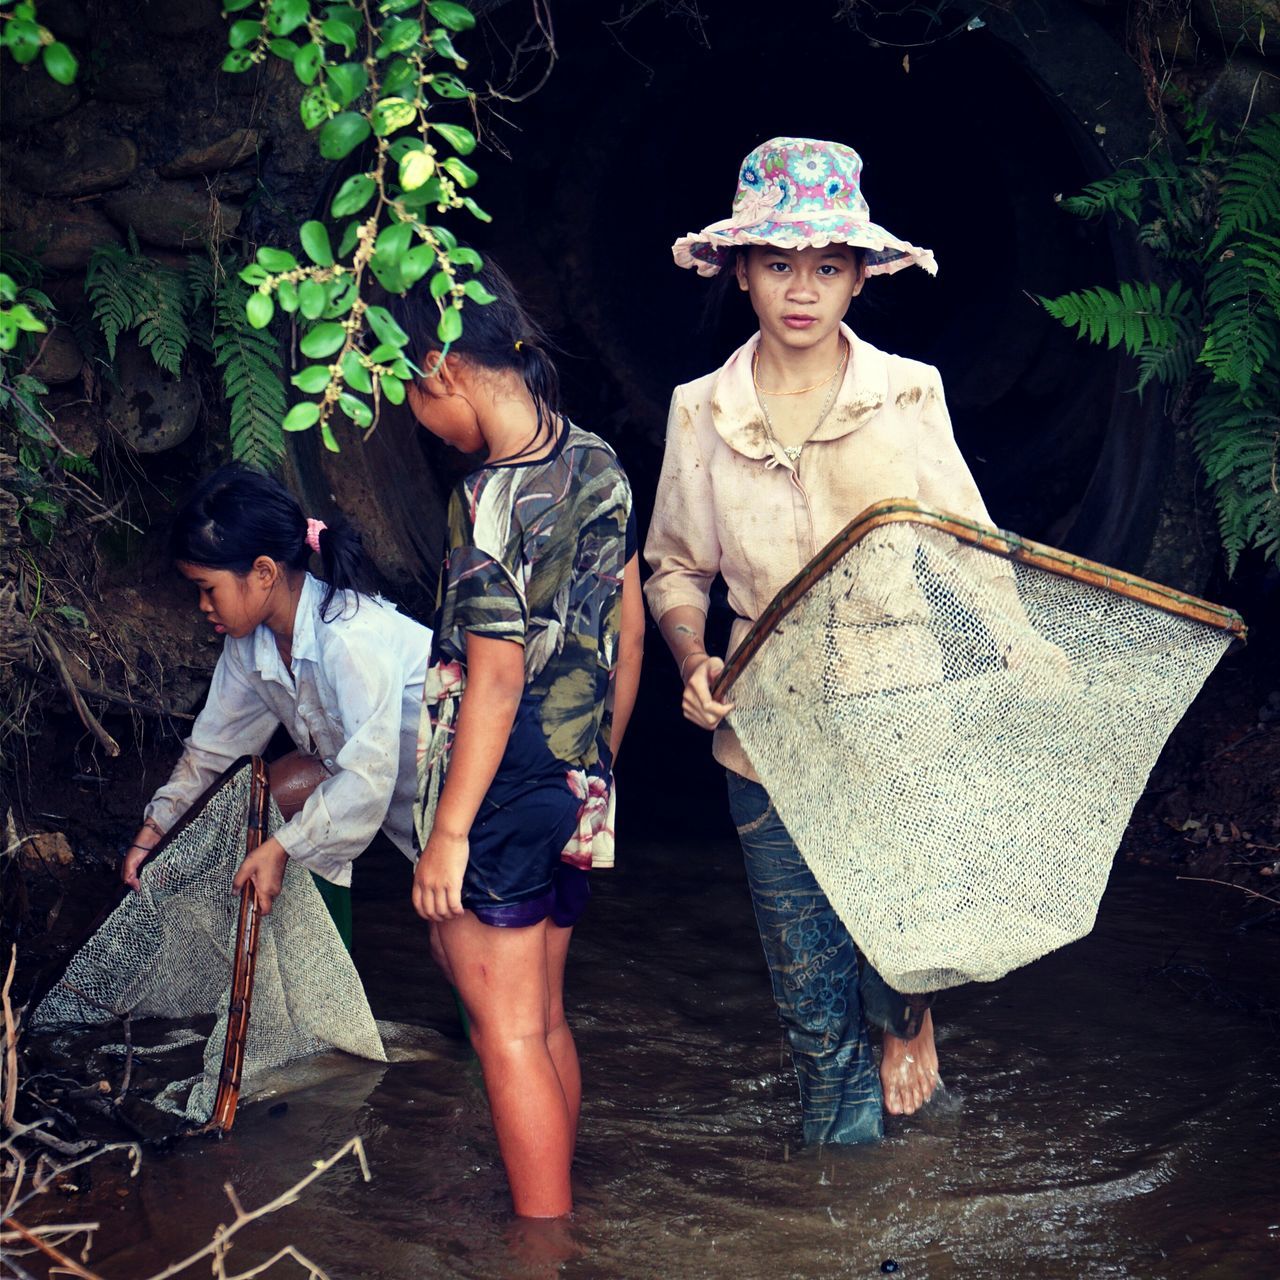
(535, 556)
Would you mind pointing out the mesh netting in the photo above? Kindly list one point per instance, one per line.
(955, 742)
(166, 952)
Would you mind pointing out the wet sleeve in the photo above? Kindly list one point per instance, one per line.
(344, 812)
(234, 722)
(484, 597)
(683, 547)
(483, 591)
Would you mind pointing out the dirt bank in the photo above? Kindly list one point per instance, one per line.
(1212, 805)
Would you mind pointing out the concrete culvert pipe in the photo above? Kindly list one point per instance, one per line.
(967, 141)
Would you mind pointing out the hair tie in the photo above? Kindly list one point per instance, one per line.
(314, 529)
(519, 343)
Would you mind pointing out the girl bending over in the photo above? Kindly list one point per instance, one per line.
(343, 673)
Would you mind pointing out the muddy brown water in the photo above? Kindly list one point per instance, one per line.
(1098, 1121)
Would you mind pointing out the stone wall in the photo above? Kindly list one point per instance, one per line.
(155, 140)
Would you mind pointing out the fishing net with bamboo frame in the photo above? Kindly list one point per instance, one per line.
(187, 962)
(954, 725)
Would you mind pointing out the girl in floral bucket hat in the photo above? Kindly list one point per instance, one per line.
(797, 193)
(767, 459)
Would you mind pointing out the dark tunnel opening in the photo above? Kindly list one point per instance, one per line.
(964, 152)
(637, 138)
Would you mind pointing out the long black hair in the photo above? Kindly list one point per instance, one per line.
(239, 513)
(499, 335)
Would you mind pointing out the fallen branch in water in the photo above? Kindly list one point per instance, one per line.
(1227, 884)
(47, 1237)
(217, 1248)
(50, 1250)
(215, 1251)
(10, 1069)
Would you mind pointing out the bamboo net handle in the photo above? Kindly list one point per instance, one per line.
(986, 538)
(246, 958)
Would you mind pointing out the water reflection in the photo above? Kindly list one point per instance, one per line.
(1096, 1121)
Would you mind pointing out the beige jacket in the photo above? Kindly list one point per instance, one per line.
(730, 501)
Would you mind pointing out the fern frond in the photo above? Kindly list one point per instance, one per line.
(252, 365)
(1139, 315)
(1250, 194)
(111, 288)
(201, 281)
(1119, 193)
(78, 463)
(162, 327)
(1238, 446)
(1200, 131)
(1170, 366)
(131, 291)
(1260, 255)
(1242, 328)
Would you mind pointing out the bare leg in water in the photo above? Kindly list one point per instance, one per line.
(909, 1070)
(502, 976)
(564, 1053)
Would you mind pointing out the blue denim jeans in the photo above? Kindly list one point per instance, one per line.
(825, 991)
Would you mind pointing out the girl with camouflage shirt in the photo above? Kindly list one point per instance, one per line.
(533, 677)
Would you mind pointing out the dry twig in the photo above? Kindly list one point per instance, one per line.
(87, 718)
(50, 1250)
(1227, 884)
(10, 1091)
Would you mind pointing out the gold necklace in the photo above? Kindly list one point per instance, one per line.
(755, 364)
(793, 451)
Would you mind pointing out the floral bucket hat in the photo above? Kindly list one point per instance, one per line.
(800, 193)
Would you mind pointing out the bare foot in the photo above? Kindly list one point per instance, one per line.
(909, 1070)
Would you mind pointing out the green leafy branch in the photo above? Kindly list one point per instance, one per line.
(1212, 336)
(27, 40)
(45, 467)
(16, 315)
(372, 78)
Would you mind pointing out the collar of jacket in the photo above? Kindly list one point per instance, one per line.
(305, 643)
(736, 412)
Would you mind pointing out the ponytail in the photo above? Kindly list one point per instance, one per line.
(499, 335)
(344, 566)
(238, 513)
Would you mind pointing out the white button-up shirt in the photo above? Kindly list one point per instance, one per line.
(354, 699)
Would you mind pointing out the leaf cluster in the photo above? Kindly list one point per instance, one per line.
(1212, 337)
(17, 316)
(26, 39)
(26, 311)
(37, 481)
(375, 77)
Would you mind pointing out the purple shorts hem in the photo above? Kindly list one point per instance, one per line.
(563, 903)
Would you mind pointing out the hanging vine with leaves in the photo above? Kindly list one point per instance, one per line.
(375, 75)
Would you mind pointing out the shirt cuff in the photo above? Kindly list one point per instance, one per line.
(665, 596)
(302, 851)
(163, 813)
